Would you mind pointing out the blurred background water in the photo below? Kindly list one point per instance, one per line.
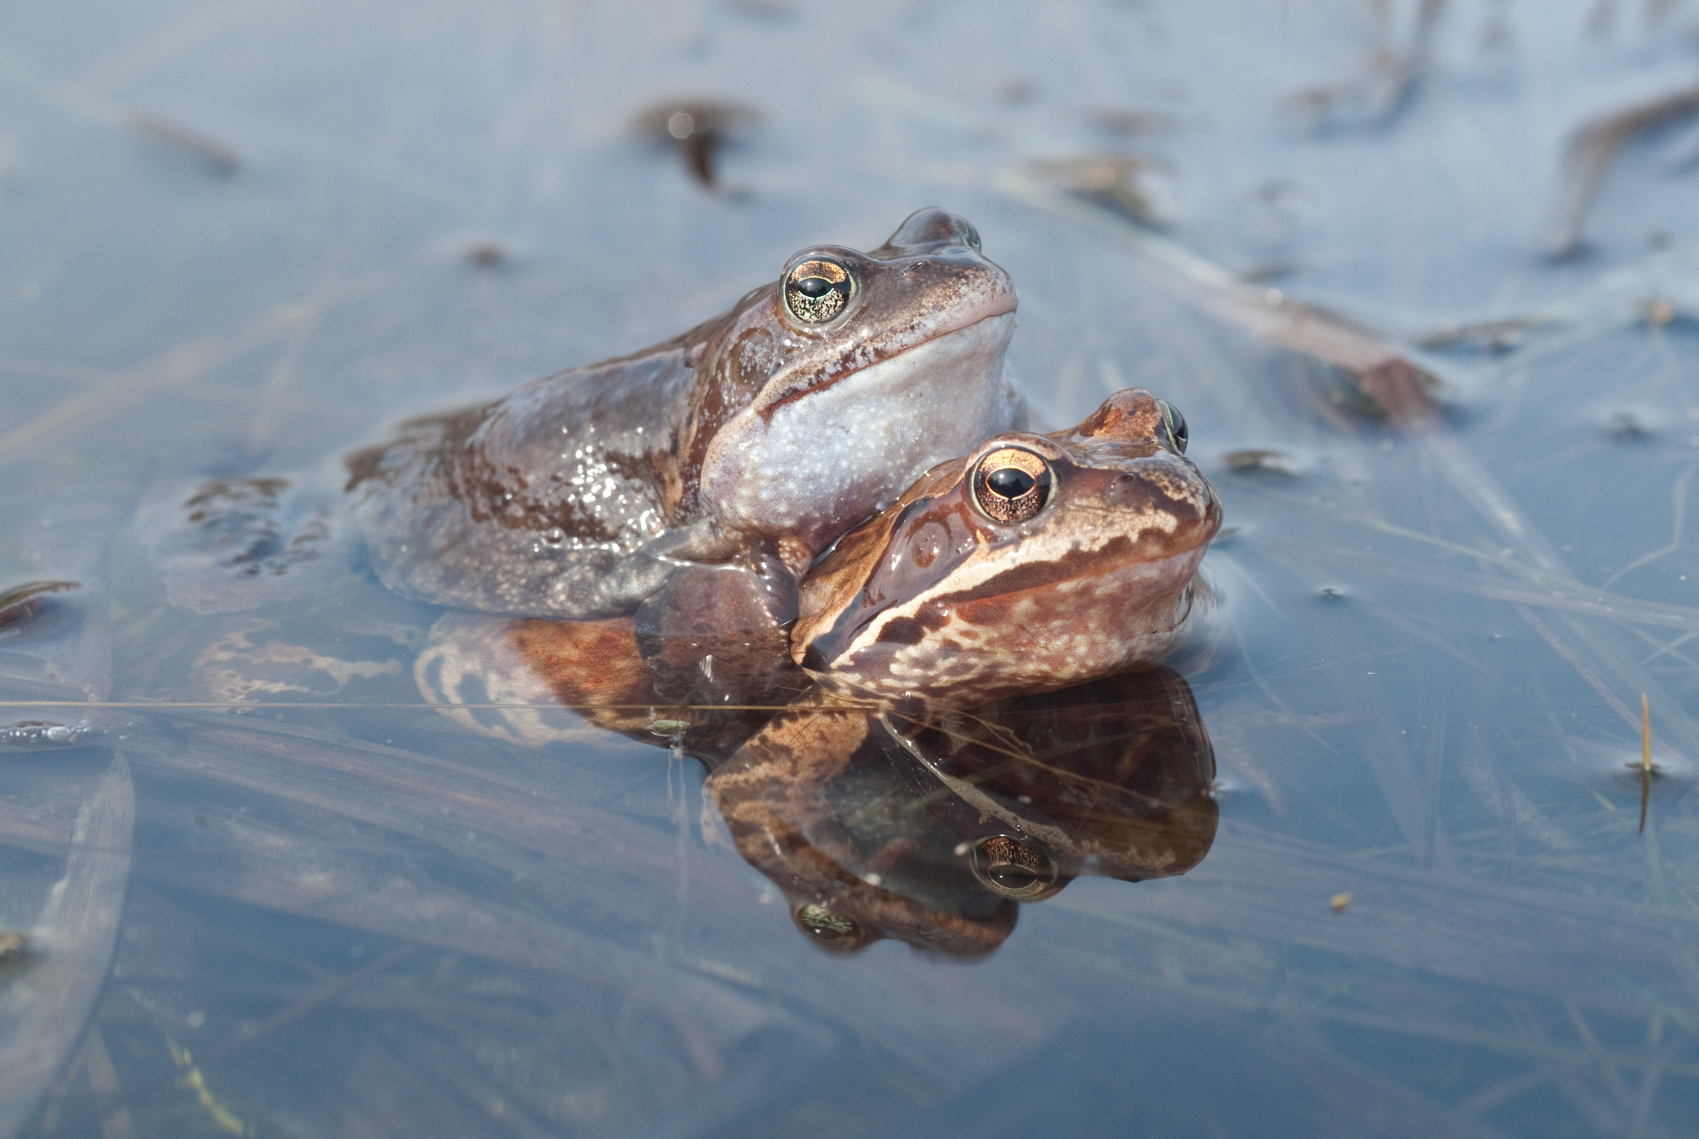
(242, 238)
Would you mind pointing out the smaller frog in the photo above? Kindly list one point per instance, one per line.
(1038, 562)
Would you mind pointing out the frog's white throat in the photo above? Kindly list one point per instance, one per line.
(809, 463)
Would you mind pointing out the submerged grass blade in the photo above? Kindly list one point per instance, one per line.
(44, 1007)
(1645, 759)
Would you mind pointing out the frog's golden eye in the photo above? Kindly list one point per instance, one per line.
(1011, 484)
(816, 290)
(1174, 424)
(1016, 868)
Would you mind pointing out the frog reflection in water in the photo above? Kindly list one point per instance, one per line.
(1036, 563)
(932, 829)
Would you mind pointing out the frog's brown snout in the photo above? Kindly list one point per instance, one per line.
(1158, 488)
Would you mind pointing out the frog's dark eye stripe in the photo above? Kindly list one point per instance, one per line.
(816, 290)
(1175, 424)
(1011, 484)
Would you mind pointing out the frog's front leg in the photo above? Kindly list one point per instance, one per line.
(720, 633)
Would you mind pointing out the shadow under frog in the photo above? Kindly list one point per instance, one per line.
(1044, 573)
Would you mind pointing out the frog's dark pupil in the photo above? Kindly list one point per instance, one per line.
(1010, 482)
(814, 287)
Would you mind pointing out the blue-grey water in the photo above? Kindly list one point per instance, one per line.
(243, 238)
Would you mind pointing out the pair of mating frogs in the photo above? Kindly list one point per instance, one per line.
(830, 476)
(827, 489)
(822, 496)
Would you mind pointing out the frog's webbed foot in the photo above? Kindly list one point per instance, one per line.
(517, 680)
(225, 545)
(720, 634)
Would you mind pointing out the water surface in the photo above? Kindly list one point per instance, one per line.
(244, 238)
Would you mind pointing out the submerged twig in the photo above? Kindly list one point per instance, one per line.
(1394, 74)
(1645, 758)
(215, 156)
(700, 129)
(307, 1004)
(43, 1011)
(1538, 589)
(20, 603)
(1396, 386)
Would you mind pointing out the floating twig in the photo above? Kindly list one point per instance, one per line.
(1645, 758)
(217, 158)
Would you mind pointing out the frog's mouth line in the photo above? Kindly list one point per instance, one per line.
(984, 340)
(1105, 587)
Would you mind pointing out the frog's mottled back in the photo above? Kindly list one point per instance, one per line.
(807, 407)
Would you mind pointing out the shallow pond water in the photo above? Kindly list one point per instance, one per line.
(1441, 898)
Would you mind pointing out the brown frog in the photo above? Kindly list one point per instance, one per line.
(1037, 562)
(749, 442)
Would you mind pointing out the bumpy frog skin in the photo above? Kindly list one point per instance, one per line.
(1037, 562)
(762, 433)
